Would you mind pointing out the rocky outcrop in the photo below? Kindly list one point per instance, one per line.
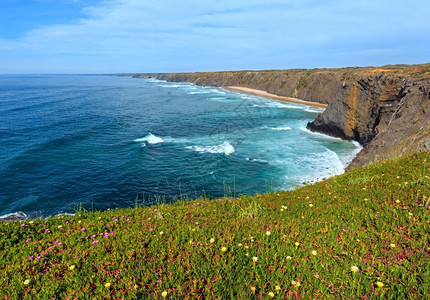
(386, 109)
(387, 114)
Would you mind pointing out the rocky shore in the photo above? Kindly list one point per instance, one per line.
(386, 109)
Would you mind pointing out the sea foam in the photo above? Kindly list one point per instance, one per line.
(281, 128)
(150, 139)
(225, 148)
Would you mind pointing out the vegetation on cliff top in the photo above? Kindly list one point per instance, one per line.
(364, 234)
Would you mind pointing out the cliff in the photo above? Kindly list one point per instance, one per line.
(386, 109)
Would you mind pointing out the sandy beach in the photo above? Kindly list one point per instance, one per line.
(272, 96)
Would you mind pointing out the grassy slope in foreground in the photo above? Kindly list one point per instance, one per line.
(362, 234)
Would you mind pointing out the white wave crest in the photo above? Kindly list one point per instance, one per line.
(150, 139)
(225, 148)
(170, 85)
(256, 160)
(281, 128)
(198, 93)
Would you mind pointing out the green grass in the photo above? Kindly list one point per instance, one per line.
(374, 218)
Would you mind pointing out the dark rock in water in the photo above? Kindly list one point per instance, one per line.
(18, 216)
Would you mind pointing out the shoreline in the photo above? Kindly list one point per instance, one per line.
(265, 94)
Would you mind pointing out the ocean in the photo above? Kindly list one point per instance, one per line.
(97, 142)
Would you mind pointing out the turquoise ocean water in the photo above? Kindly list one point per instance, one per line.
(100, 141)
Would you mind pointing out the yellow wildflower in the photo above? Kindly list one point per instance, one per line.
(379, 284)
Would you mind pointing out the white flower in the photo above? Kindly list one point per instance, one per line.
(314, 252)
(268, 233)
(354, 269)
(255, 258)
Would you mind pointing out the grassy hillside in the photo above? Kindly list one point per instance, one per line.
(364, 235)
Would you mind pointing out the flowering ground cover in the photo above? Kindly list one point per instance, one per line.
(361, 235)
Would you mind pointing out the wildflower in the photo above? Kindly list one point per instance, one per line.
(223, 249)
(297, 244)
(354, 269)
(288, 257)
(379, 284)
(59, 226)
(267, 233)
(26, 282)
(392, 245)
(277, 288)
(94, 242)
(79, 222)
(253, 288)
(72, 267)
(271, 295)
(293, 282)
(240, 244)
(164, 294)
(82, 229)
(397, 201)
(311, 205)
(107, 285)
(161, 232)
(254, 259)
(31, 222)
(314, 252)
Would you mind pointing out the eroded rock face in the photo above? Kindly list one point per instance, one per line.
(387, 114)
(386, 110)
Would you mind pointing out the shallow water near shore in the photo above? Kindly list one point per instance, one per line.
(100, 141)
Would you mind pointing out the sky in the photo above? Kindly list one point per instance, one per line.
(155, 36)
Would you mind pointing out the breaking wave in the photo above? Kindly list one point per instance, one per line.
(225, 148)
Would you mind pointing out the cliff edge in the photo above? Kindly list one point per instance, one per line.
(386, 109)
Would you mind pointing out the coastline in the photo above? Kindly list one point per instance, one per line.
(265, 94)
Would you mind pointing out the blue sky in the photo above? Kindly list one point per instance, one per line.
(113, 36)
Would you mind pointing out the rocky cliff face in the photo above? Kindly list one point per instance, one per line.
(386, 110)
(317, 85)
(386, 113)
